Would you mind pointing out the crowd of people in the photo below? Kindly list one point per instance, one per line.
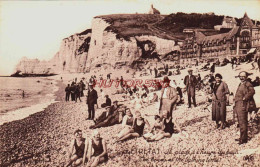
(75, 90)
(169, 95)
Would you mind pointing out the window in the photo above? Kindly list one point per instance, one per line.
(224, 40)
(245, 36)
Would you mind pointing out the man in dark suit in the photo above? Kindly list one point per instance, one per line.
(91, 101)
(243, 100)
(115, 116)
(190, 81)
(67, 90)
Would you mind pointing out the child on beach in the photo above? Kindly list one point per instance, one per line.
(78, 149)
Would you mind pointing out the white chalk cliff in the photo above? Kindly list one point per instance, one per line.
(96, 48)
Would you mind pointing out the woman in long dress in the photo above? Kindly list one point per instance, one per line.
(219, 101)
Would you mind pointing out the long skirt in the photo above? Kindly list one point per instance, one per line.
(219, 111)
(166, 104)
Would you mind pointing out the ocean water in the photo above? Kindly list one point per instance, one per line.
(38, 94)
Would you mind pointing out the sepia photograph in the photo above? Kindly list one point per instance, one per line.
(129, 83)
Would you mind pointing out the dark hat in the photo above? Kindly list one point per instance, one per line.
(106, 95)
(77, 131)
(190, 70)
(166, 79)
(218, 75)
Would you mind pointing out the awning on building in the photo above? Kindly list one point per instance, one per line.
(252, 50)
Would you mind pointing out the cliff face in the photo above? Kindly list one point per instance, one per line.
(107, 49)
(73, 54)
(71, 57)
(99, 47)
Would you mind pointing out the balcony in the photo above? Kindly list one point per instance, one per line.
(245, 46)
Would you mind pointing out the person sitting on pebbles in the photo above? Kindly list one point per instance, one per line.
(137, 127)
(99, 146)
(126, 123)
(138, 102)
(78, 150)
(157, 128)
(169, 123)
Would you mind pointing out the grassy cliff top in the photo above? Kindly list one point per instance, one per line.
(129, 25)
(164, 26)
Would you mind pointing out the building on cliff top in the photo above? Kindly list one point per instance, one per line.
(153, 10)
(240, 40)
(227, 23)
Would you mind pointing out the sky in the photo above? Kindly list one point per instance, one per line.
(35, 29)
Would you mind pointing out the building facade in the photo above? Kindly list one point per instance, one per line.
(239, 40)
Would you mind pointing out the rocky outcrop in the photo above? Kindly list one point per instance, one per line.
(99, 47)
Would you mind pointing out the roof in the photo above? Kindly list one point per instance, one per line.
(201, 38)
(248, 20)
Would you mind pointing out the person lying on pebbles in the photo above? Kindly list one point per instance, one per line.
(137, 127)
(108, 111)
(115, 118)
(78, 149)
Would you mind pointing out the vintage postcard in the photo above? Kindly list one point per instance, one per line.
(152, 83)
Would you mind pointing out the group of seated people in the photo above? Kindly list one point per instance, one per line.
(134, 127)
(94, 150)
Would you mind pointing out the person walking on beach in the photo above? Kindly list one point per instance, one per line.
(258, 63)
(23, 94)
(212, 68)
(190, 81)
(122, 82)
(67, 90)
(91, 101)
(81, 88)
(219, 101)
(243, 99)
(77, 93)
(78, 150)
(169, 96)
(166, 69)
(196, 62)
(72, 91)
(155, 72)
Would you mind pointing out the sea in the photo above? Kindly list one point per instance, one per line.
(21, 97)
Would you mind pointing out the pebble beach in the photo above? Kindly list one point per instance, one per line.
(43, 138)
